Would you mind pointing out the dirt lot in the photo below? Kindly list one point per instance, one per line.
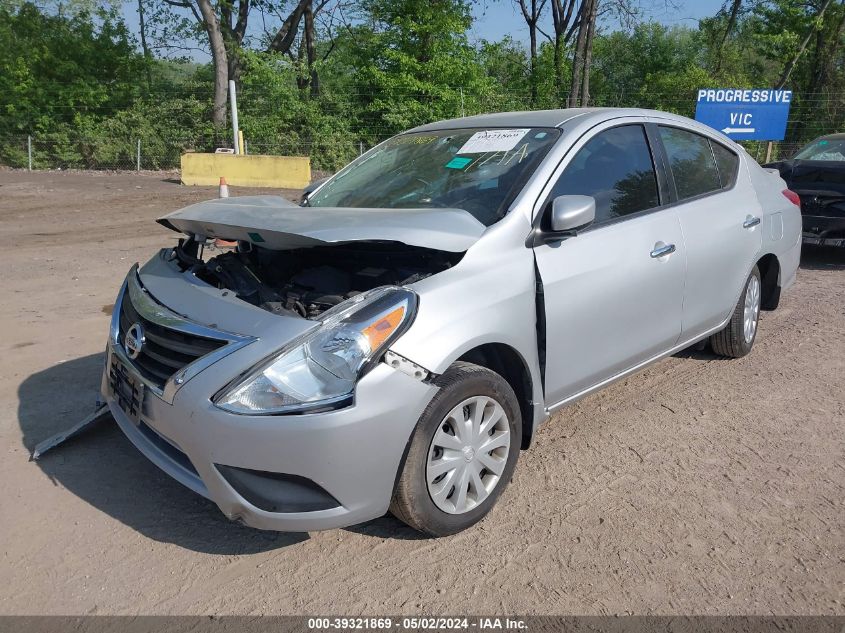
(698, 486)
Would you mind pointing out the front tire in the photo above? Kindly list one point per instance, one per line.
(462, 453)
(737, 339)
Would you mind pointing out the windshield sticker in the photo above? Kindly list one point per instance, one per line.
(492, 141)
(256, 237)
(540, 135)
(503, 158)
(458, 162)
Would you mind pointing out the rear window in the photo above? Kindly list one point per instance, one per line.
(691, 162)
(727, 163)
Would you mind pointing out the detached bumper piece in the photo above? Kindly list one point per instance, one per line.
(101, 413)
(823, 220)
(277, 492)
(824, 231)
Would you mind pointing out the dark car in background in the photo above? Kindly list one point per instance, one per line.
(817, 175)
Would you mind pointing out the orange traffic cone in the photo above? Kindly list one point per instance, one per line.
(224, 188)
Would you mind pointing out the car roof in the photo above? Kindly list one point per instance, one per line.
(543, 118)
(839, 136)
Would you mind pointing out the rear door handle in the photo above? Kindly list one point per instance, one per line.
(660, 251)
(750, 222)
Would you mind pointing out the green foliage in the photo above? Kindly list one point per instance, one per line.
(55, 69)
(71, 75)
(414, 64)
(277, 118)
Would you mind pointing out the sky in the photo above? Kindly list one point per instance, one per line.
(495, 19)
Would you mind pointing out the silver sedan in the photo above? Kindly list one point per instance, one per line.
(395, 340)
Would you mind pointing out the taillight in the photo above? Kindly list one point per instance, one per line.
(792, 197)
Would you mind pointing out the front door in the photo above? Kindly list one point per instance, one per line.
(613, 294)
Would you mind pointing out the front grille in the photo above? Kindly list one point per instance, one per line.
(165, 350)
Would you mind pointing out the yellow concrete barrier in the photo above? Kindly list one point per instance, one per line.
(289, 172)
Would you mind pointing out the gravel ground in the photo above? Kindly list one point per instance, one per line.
(697, 486)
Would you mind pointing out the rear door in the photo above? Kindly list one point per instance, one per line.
(613, 293)
(721, 222)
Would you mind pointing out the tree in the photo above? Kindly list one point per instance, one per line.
(58, 69)
(412, 62)
(581, 60)
(790, 65)
(304, 12)
(532, 11)
(221, 27)
(565, 22)
(732, 16)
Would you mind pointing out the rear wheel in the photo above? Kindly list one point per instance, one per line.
(462, 453)
(737, 339)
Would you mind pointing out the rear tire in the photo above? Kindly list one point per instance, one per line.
(738, 337)
(449, 479)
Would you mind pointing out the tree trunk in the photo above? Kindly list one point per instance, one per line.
(787, 71)
(588, 53)
(578, 56)
(562, 13)
(219, 59)
(286, 35)
(532, 16)
(310, 50)
(731, 22)
(532, 36)
(559, 67)
(144, 47)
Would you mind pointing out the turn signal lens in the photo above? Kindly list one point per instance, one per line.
(792, 197)
(378, 332)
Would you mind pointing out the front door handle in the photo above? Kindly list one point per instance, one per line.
(750, 222)
(660, 251)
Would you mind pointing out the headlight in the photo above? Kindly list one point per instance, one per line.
(320, 371)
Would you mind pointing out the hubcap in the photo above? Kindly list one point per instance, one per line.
(751, 312)
(467, 455)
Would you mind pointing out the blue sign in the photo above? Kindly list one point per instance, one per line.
(745, 115)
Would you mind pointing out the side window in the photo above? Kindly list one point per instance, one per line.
(727, 162)
(691, 162)
(616, 169)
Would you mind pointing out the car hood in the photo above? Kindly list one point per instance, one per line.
(275, 223)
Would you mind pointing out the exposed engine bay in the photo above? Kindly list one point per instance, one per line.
(308, 281)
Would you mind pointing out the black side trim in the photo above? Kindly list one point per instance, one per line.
(277, 492)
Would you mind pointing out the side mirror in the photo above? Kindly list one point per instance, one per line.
(570, 213)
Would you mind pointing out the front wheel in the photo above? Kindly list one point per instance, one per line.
(737, 339)
(462, 453)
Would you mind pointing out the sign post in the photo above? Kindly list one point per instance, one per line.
(745, 115)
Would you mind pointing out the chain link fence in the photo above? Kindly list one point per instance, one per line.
(34, 152)
(811, 116)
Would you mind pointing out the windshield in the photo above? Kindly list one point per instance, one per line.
(477, 170)
(823, 149)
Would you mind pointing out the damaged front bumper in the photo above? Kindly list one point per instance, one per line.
(280, 472)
